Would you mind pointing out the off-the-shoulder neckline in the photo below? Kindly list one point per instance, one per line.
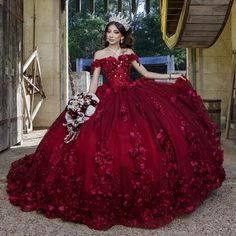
(116, 58)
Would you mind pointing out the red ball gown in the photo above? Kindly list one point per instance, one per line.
(148, 154)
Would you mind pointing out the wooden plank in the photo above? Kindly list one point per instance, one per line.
(231, 97)
(4, 136)
(32, 84)
(19, 55)
(4, 128)
(11, 54)
(29, 60)
(27, 109)
(210, 2)
(184, 44)
(206, 19)
(197, 39)
(200, 33)
(3, 141)
(202, 27)
(30, 108)
(208, 10)
(11, 66)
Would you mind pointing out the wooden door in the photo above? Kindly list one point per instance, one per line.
(11, 36)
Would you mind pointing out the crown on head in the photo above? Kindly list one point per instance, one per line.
(121, 19)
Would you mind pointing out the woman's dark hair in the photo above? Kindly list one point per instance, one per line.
(128, 39)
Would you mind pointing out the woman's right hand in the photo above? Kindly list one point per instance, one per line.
(176, 76)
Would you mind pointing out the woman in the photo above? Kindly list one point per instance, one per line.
(148, 154)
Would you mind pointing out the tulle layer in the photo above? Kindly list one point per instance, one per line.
(148, 154)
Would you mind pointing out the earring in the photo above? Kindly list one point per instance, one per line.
(121, 41)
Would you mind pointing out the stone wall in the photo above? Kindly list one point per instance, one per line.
(214, 65)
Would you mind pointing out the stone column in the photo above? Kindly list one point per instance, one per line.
(50, 34)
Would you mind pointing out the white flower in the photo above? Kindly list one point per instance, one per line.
(80, 114)
(78, 121)
(86, 118)
(90, 110)
(68, 119)
(94, 97)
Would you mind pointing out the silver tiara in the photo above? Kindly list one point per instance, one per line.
(121, 19)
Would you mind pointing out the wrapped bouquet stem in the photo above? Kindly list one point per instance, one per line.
(78, 110)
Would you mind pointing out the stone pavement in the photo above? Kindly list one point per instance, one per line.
(216, 216)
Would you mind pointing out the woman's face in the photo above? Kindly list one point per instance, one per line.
(113, 35)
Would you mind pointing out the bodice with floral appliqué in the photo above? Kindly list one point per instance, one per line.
(116, 70)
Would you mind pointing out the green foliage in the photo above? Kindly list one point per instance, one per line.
(86, 36)
(86, 31)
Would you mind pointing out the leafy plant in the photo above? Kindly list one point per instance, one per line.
(86, 31)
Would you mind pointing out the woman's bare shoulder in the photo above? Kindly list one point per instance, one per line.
(127, 51)
(100, 53)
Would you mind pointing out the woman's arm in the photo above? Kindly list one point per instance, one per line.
(152, 75)
(95, 78)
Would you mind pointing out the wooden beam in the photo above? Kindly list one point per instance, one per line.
(200, 33)
(119, 5)
(35, 87)
(212, 2)
(106, 4)
(26, 78)
(29, 60)
(147, 6)
(202, 27)
(206, 19)
(91, 6)
(78, 5)
(133, 6)
(36, 109)
(219, 10)
(231, 98)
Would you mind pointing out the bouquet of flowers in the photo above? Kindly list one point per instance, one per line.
(79, 109)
